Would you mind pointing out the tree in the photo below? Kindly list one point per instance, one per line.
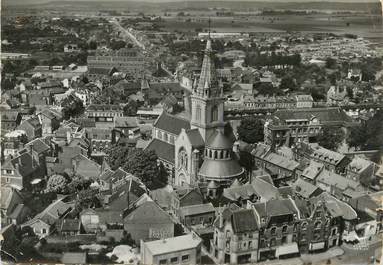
(117, 155)
(118, 44)
(140, 163)
(78, 183)
(57, 184)
(330, 63)
(72, 107)
(251, 130)
(130, 109)
(87, 199)
(143, 164)
(287, 82)
(357, 137)
(331, 137)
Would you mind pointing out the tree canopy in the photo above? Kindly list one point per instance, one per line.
(251, 130)
(331, 137)
(57, 184)
(141, 163)
(72, 107)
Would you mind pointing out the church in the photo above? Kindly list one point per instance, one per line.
(194, 147)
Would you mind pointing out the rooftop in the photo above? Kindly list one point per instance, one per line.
(173, 244)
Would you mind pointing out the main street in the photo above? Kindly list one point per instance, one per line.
(126, 33)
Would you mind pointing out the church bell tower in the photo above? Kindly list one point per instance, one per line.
(207, 98)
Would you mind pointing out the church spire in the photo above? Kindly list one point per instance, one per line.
(208, 85)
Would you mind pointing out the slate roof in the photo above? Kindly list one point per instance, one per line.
(195, 138)
(281, 161)
(219, 141)
(69, 225)
(9, 115)
(304, 188)
(164, 151)
(244, 221)
(52, 213)
(327, 155)
(336, 207)
(148, 213)
(275, 207)
(196, 209)
(171, 124)
(312, 171)
(325, 115)
(218, 169)
(333, 179)
(39, 146)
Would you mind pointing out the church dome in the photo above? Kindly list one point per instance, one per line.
(219, 141)
(220, 170)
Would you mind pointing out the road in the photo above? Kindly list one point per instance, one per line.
(127, 34)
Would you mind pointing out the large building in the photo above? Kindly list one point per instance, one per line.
(197, 149)
(302, 125)
(125, 60)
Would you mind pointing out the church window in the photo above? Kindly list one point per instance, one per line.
(215, 154)
(182, 159)
(214, 113)
(198, 113)
(220, 154)
(210, 154)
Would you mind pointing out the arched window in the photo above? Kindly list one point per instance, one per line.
(214, 113)
(210, 154)
(304, 226)
(215, 154)
(318, 224)
(198, 113)
(273, 230)
(221, 154)
(284, 229)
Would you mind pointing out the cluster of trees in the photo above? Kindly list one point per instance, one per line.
(72, 107)
(368, 135)
(259, 60)
(331, 137)
(141, 163)
(250, 130)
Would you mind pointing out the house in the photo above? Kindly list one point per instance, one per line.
(43, 224)
(69, 227)
(90, 220)
(278, 221)
(12, 207)
(320, 227)
(50, 121)
(361, 170)
(199, 214)
(148, 221)
(10, 119)
(12, 143)
(19, 171)
(128, 126)
(184, 197)
(339, 186)
(173, 250)
(281, 168)
(236, 236)
(112, 180)
(305, 189)
(32, 128)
